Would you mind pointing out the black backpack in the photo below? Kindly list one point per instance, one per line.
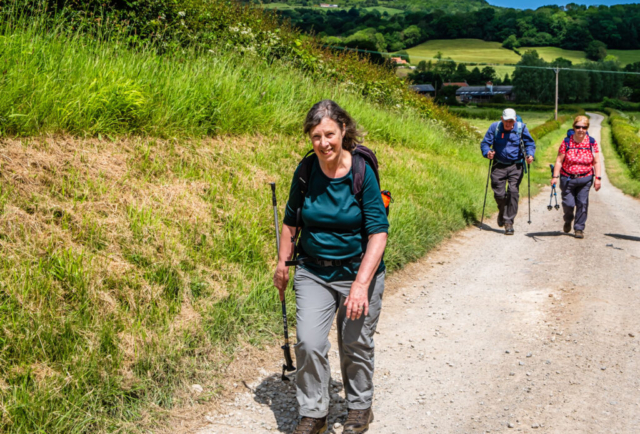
(362, 156)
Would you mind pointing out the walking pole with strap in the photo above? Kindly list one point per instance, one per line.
(525, 165)
(288, 366)
(553, 193)
(486, 189)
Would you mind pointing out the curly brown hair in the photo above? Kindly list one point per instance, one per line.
(330, 109)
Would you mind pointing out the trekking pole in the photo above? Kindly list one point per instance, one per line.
(288, 366)
(486, 189)
(553, 194)
(529, 187)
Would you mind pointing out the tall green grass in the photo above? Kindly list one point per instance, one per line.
(136, 234)
(133, 264)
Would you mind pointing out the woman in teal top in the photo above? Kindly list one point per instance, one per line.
(335, 226)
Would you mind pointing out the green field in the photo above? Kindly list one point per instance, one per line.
(278, 6)
(626, 56)
(284, 6)
(381, 9)
(532, 119)
(479, 51)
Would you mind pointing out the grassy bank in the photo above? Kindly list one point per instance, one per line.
(137, 239)
(136, 233)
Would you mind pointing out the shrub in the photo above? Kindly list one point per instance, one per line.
(626, 140)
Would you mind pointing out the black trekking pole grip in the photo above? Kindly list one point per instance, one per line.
(486, 189)
(275, 215)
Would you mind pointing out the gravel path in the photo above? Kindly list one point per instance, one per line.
(537, 332)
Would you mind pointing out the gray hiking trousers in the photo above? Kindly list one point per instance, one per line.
(506, 196)
(317, 302)
(575, 196)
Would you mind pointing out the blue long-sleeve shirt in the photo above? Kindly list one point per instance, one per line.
(507, 144)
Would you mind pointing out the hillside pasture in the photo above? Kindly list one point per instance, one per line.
(467, 50)
(492, 53)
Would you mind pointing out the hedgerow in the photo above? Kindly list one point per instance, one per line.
(626, 140)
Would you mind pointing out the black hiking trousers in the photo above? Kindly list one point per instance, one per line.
(505, 183)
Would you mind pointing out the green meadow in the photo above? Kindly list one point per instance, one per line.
(483, 52)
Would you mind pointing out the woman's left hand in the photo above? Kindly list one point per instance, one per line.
(597, 184)
(358, 301)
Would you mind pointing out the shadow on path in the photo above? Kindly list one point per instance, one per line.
(623, 237)
(486, 227)
(537, 235)
(281, 398)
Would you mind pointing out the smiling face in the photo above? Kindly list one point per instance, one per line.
(580, 129)
(326, 138)
(508, 124)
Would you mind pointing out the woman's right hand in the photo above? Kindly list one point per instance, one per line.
(281, 278)
(554, 181)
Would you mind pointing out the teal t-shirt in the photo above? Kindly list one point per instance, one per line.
(335, 226)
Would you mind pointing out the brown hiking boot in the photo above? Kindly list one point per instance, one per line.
(311, 425)
(567, 227)
(508, 229)
(358, 421)
(579, 234)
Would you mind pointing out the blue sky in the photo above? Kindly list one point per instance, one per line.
(534, 4)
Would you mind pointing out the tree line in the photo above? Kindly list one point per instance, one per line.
(572, 27)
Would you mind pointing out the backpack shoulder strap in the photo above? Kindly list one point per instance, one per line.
(304, 172)
(363, 156)
(519, 129)
(359, 171)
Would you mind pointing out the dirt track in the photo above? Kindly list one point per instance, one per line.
(537, 332)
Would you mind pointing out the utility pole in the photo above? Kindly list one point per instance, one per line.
(556, 111)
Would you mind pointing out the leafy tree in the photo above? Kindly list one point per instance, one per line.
(475, 77)
(533, 85)
(462, 73)
(596, 50)
(488, 74)
(411, 35)
(447, 95)
(506, 80)
(511, 42)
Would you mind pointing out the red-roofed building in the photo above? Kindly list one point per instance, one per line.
(459, 84)
(399, 61)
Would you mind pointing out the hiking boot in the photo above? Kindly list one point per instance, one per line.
(567, 227)
(358, 421)
(579, 234)
(311, 425)
(508, 229)
(500, 220)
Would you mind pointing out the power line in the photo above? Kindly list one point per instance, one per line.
(549, 68)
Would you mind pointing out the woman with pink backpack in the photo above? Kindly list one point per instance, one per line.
(577, 167)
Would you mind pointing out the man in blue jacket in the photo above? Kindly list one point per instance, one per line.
(502, 145)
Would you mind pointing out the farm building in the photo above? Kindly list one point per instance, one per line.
(424, 89)
(484, 93)
(399, 61)
(457, 83)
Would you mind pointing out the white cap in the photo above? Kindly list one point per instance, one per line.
(509, 115)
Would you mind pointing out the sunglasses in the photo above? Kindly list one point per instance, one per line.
(580, 127)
